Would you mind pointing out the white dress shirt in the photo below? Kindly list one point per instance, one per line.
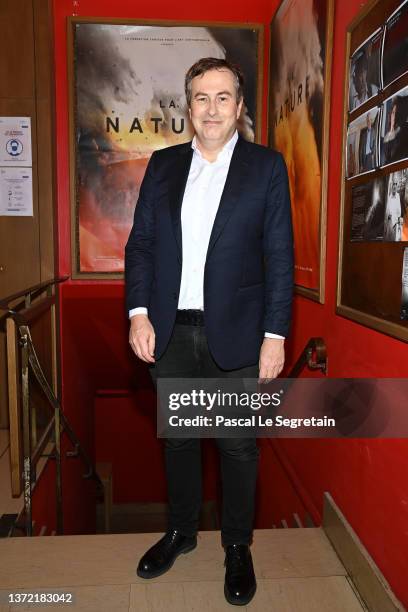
(204, 187)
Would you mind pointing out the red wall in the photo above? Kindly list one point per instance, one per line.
(364, 476)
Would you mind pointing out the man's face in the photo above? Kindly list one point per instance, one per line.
(214, 109)
(361, 81)
(394, 188)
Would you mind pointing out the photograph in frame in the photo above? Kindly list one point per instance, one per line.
(365, 71)
(396, 207)
(368, 211)
(362, 143)
(128, 101)
(394, 128)
(395, 45)
(299, 93)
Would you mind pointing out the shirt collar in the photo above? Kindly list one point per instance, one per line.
(227, 149)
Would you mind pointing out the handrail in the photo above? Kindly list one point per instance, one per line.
(20, 316)
(60, 422)
(314, 355)
(4, 302)
(53, 400)
(26, 296)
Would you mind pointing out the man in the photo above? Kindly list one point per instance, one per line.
(209, 277)
(393, 213)
(361, 89)
(367, 146)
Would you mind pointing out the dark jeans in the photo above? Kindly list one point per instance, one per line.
(187, 355)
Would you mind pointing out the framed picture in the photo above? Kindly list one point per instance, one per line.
(362, 143)
(372, 268)
(394, 128)
(127, 100)
(395, 50)
(365, 70)
(299, 102)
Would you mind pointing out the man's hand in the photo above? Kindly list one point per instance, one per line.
(142, 337)
(271, 359)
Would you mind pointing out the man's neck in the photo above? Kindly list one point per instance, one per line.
(211, 150)
(210, 153)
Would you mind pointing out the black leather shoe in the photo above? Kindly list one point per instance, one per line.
(160, 557)
(240, 583)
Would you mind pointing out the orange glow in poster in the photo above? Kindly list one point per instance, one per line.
(296, 122)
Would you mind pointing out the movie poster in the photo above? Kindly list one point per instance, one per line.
(362, 143)
(129, 101)
(395, 51)
(368, 210)
(296, 120)
(394, 128)
(365, 71)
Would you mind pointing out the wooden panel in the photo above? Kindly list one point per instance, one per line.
(363, 571)
(44, 71)
(16, 49)
(19, 236)
(4, 419)
(45, 189)
(44, 64)
(13, 368)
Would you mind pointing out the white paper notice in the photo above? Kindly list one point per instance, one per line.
(15, 141)
(16, 192)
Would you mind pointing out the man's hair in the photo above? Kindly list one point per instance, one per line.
(212, 63)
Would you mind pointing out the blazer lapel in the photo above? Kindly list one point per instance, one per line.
(178, 181)
(236, 176)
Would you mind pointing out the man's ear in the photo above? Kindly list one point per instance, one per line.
(189, 112)
(239, 107)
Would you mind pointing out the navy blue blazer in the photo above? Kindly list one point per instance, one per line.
(248, 275)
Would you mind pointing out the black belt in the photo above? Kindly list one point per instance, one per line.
(190, 317)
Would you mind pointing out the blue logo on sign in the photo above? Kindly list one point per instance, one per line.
(14, 147)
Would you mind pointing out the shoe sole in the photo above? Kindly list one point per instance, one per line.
(240, 602)
(166, 569)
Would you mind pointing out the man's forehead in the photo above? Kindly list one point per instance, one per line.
(222, 75)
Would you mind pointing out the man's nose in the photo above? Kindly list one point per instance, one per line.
(212, 107)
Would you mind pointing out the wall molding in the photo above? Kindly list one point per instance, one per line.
(361, 568)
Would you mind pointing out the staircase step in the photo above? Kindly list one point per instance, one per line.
(297, 569)
(112, 559)
(150, 517)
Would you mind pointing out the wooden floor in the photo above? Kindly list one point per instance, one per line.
(297, 571)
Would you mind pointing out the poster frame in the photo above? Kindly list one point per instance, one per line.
(384, 324)
(76, 273)
(318, 294)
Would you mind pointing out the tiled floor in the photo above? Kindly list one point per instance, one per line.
(297, 571)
